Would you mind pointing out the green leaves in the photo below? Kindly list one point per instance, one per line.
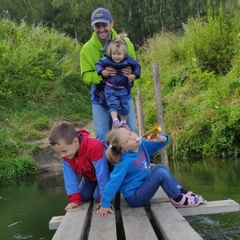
(17, 168)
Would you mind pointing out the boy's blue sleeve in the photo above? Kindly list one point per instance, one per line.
(102, 172)
(70, 179)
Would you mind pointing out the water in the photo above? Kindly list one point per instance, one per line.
(214, 180)
(27, 207)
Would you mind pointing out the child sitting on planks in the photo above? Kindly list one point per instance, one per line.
(132, 175)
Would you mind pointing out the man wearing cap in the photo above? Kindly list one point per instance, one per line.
(91, 52)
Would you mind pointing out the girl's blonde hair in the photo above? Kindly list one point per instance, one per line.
(118, 43)
(114, 150)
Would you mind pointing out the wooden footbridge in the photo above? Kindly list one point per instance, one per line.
(159, 220)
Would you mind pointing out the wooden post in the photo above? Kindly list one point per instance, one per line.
(159, 107)
(139, 110)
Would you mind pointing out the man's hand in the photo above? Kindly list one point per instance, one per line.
(103, 212)
(127, 71)
(131, 77)
(71, 205)
(112, 71)
(105, 73)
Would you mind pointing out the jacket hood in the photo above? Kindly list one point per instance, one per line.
(84, 132)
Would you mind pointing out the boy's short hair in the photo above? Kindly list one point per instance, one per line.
(62, 131)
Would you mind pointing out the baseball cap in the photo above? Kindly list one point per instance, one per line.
(101, 15)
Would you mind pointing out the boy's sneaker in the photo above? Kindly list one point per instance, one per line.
(125, 125)
(202, 200)
(116, 124)
(187, 201)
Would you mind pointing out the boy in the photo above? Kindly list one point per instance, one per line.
(81, 156)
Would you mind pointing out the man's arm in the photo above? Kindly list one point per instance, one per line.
(87, 65)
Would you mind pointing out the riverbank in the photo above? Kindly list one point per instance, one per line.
(48, 160)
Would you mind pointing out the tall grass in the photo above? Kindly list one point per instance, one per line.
(199, 72)
(39, 84)
(17, 168)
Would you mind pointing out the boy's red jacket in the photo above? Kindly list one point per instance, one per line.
(89, 163)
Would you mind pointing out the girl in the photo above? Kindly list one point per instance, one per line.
(132, 175)
(118, 86)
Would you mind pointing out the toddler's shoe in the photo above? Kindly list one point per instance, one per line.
(125, 125)
(116, 124)
(187, 201)
(202, 200)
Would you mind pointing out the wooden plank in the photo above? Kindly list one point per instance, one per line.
(55, 222)
(171, 223)
(102, 228)
(136, 223)
(73, 223)
(212, 207)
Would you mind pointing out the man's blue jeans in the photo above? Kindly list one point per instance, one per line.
(160, 176)
(101, 118)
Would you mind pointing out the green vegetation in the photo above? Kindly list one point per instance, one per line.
(200, 78)
(17, 167)
(39, 84)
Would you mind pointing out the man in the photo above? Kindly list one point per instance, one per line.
(91, 52)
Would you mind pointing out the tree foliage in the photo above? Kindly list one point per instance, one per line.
(139, 19)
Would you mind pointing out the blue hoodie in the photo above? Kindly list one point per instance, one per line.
(132, 171)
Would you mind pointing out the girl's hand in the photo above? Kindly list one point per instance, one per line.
(71, 205)
(157, 138)
(103, 212)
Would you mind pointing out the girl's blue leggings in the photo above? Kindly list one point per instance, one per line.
(160, 176)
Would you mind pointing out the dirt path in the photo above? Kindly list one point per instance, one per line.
(49, 160)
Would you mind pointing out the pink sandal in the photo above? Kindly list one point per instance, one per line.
(187, 201)
(190, 193)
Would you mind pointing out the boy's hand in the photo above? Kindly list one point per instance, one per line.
(71, 205)
(103, 212)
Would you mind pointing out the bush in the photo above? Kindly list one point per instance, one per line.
(17, 168)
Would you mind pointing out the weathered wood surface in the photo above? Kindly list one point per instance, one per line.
(171, 223)
(135, 223)
(73, 223)
(102, 228)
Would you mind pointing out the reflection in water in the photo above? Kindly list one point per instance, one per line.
(215, 180)
(27, 206)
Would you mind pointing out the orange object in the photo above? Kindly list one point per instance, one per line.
(157, 129)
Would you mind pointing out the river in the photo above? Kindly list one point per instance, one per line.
(27, 206)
